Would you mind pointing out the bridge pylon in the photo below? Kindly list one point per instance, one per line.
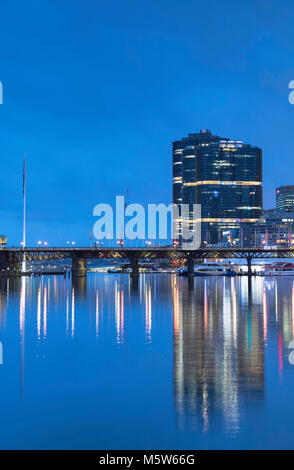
(190, 266)
(249, 266)
(134, 268)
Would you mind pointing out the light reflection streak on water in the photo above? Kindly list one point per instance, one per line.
(122, 313)
(22, 313)
(276, 301)
(39, 314)
(204, 378)
(280, 349)
(175, 288)
(22, 306)
(67, 313)
(55, 291)
(264, 314)
(141, 282)
(97, 315)
(179, 378)
(119, 313)
(293, 311)
(7, 291)
(234, 309)
(45, 313)
(205, 307)
(148, 312)
(72, 312)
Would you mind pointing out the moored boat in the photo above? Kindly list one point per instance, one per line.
(279, 269)
(183, 271)
(210, 269)
(215, 269)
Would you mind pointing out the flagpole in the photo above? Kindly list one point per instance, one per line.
(24, 211)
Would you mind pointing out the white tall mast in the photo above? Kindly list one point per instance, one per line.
(24, 211)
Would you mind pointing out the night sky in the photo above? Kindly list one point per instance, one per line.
(95, 92)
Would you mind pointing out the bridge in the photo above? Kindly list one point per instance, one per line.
(10, 258)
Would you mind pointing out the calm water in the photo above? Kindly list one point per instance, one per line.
(105, 364)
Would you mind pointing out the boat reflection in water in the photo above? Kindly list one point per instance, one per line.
(208, 351)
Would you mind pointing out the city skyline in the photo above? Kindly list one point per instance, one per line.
(104, 122)
(218, 142)
(68, 241)
(147, 231)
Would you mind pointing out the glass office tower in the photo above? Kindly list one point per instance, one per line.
(225, 178)
(184, 168)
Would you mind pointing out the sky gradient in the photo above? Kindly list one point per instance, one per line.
(95, 93)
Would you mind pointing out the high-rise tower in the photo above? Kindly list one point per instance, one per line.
(225, 178)
(184, 169)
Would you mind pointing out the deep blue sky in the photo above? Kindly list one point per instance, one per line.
(95, 92)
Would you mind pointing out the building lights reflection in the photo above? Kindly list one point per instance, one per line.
(276, 301)
(292, 297)
(229, 391)
(67, 312)
(97, 315)
(39, 314)
(264, 315)
(119, 313)
(175, 288)
(22, 313)
(205, 307)
(72, 312)
(45, 313)
(218, 353)
(280, 351)
(7, 290)
(22, 306)
(234, 309)
(148, 313)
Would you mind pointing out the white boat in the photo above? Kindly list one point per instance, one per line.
(279, 269)
(213, 268)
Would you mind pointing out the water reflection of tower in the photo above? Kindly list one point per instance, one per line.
(279, 303)
(218, 353)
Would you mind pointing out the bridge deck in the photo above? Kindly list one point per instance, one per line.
(51, 253)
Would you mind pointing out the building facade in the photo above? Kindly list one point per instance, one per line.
(3, 240)
(285, 198)
(225, 178)
(184, 170)
(275, 228)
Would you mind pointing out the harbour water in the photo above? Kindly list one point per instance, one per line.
(106, 363)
